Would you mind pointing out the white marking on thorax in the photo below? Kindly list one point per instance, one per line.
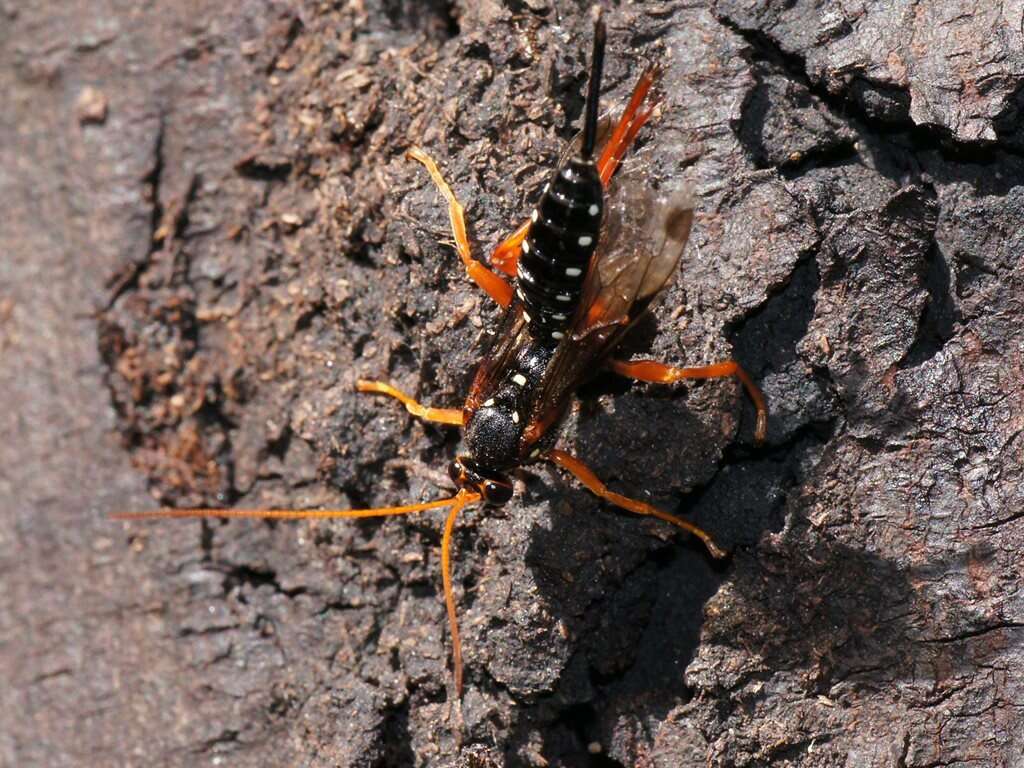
(585, 240)
(573, 271)
(519, 379)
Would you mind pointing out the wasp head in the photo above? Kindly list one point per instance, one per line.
(494, 487)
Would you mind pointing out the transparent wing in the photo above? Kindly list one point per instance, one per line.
(509, 339)
(643, 239)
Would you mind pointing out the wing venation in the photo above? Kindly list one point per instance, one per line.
(643, 239)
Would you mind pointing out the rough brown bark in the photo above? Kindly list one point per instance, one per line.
(209, 231)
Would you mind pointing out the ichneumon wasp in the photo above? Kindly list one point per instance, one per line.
(591, 259)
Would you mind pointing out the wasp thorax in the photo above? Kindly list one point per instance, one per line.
(493, 434)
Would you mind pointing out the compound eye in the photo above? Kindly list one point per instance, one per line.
(496, 493)
(457, 473)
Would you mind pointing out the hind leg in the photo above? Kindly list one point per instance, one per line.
(659, 373)
(505, 257)
(495, 287)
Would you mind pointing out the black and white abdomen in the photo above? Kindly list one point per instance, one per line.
(556, 252)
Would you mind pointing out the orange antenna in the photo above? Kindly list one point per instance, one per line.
(284, 514)
(457, 503)
(461, 500)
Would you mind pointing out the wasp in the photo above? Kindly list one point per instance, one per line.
(592, 258)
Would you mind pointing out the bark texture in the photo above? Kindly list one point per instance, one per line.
(209, 231)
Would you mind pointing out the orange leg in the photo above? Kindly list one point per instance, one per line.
(494, 285)
(628, 127)
(439, 415)
(659, 373)
(583, 473)
(506, 256)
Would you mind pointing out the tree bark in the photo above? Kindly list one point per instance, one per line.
(210, 231)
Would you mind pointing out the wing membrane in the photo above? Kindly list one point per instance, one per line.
(509, 339)
(644, 237)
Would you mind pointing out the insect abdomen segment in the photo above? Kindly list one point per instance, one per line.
(556, 252)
